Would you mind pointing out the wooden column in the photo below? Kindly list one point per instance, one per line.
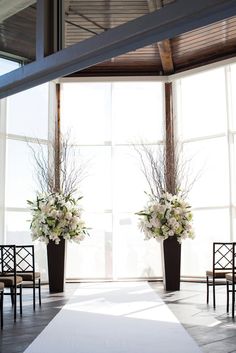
(57, 151)
(170, 168)
(171, 246)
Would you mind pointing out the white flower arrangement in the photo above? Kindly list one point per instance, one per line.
(56, 216)
(168, 216)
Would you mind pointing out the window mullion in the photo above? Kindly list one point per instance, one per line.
(3, 114)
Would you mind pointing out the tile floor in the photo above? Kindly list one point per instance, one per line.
(214, 331)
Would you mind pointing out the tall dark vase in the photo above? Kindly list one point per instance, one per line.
(56, 266)
(171, 262)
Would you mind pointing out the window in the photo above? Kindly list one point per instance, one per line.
(203, 108)
(105, 120)
(27, 117)
(7, 66)
(27, 113)
(204, 130)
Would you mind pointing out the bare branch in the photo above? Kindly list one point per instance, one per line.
(68, 166)
(172, 175)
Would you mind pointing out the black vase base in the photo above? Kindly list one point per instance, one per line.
(172, 262)
(172, 288)
(56, 266)
(54, 291)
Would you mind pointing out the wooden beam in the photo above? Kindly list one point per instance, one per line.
(176, 18)
(165, 51)
(164, 47)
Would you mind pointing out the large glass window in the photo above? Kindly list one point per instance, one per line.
(27, 120)
(86, 112)
(137, 110)
(208, 161)
(27, 113)
(7, 66)
(203, 108)
(204, 118)
(105, 120)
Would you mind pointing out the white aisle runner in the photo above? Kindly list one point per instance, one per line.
(114, 318)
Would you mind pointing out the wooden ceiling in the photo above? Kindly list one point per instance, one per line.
(87, 18)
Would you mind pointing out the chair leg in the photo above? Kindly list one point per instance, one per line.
(2, 296)
(207, 281)
(20, 299)
(15, 302)
(34, 295)
(39, 284)
(227, 298)
(233, 299)
(214, 293)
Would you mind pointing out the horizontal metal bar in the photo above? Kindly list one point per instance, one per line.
(176, 18)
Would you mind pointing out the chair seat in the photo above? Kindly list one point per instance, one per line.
(9, 280)
(28, 276)
(229, 277)
(1, 286)
(218, 274)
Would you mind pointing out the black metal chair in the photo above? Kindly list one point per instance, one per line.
(222, 264)
(25, 267)
(1, 301)
(231, 281)
(8, 275)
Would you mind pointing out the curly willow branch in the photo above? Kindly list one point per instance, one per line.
(71, 170)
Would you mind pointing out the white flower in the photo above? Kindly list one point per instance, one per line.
(45, 208)
(68, 215)
(56, 216)
(169, 216)
(53, 213)
(155, 222)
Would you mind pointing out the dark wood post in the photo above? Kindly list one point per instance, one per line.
(57, 152)
(170, 168)
(56, 253)
(171, 247)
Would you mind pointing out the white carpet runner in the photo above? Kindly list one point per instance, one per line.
(114, 318)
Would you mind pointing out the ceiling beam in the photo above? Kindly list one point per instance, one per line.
(176, 18)
(10, 8)
(165, 52)
(164, 47)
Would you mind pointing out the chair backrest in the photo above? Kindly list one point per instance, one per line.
(25, 261)
(223, 256)
(7, 260)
